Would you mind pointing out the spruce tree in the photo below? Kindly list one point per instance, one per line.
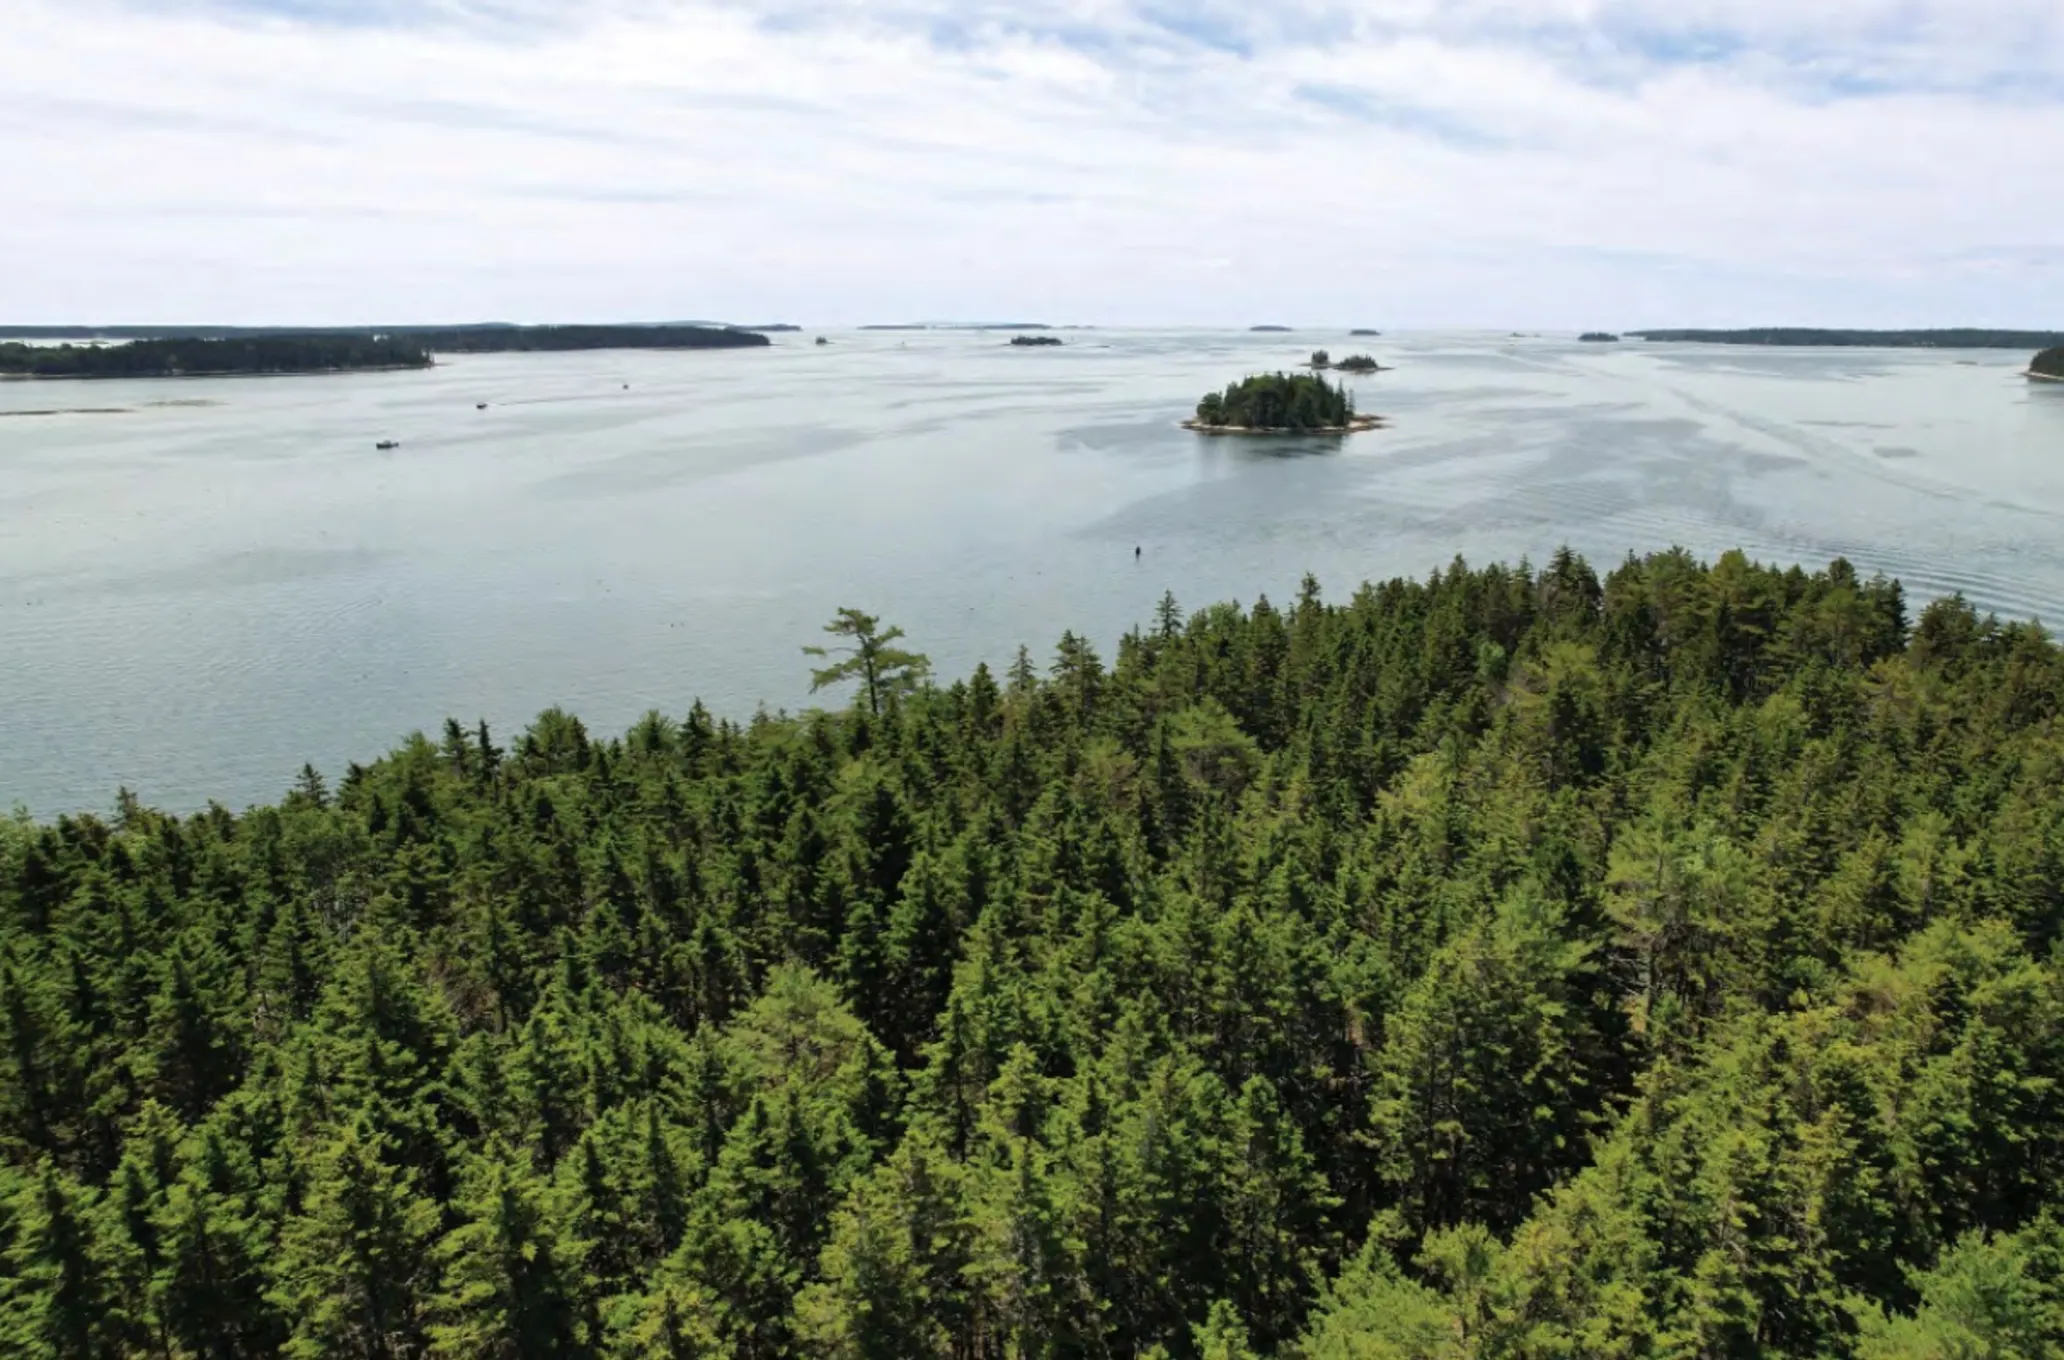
(354, 1272)
(511, 1281)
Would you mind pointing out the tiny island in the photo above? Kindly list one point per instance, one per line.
(1034, 341)
(2048, 366)
(1353, 363)
(1364, 330)
(1599, 338)
(1280, 403)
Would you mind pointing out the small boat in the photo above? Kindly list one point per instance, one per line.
(480, 406)
(387, 444)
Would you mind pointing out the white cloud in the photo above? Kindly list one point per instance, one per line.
(1493, 162)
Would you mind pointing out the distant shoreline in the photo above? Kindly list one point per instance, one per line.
(1807, 337)
(226, 373)
(2034, 376)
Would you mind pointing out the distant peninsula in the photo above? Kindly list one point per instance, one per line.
(959, 326)
(190, 332)
(231, 357)
(1034, 341)
(1280, 403)
(525, 339)
(1966, 338)
(2048, 365)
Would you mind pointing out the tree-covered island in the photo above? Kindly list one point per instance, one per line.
(1280, 403)
(1353, 363)
(1599, 338)
(2048, 365)
(1035, 341)
(252, 355)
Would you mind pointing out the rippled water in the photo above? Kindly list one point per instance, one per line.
(205, 583)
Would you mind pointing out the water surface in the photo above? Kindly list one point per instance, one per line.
(205, 583)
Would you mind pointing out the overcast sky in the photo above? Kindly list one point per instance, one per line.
(1398, 163)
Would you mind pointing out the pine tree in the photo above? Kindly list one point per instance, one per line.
(883, 669)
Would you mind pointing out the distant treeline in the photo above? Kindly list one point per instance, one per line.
(959, 326)
(172, 358)
(498, 340)
(1939, 339)
(228, 332)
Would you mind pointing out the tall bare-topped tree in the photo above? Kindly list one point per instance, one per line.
(870, 657)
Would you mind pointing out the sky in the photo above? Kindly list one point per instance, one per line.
(1392, 163)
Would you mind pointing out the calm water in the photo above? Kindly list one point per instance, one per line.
(205, 583)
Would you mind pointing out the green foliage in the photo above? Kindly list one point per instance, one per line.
(2049, 363)
(1279, 401)
(1987, 1299)
(1513, 964)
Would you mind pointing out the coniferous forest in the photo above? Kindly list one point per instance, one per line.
(1510, 964)
(1279, 401)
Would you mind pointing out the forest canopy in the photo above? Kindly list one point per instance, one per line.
(2049, 363)
(196, 357)
(1514, 963)
(1278, 401)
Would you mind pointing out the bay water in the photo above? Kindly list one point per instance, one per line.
(206, 583)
